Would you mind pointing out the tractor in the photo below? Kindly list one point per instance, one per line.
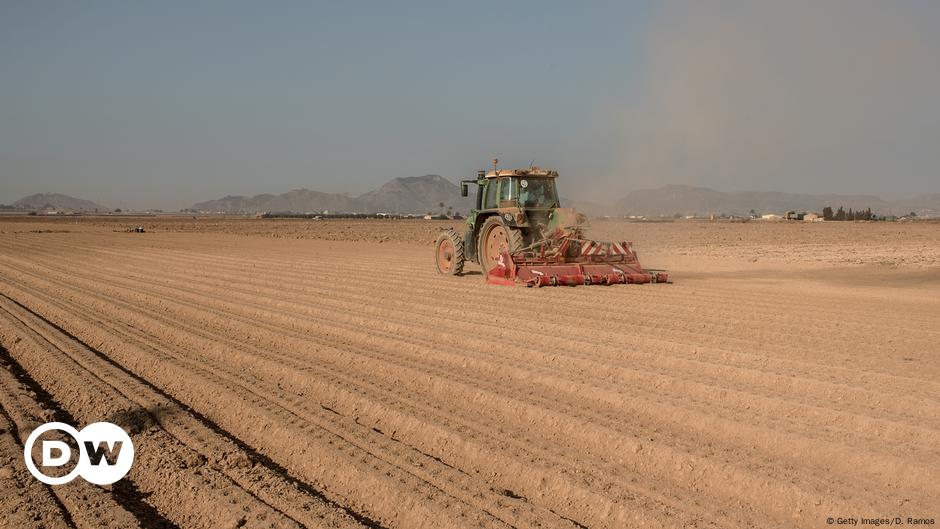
(519, 234)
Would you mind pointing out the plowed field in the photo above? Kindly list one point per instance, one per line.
(323, 375)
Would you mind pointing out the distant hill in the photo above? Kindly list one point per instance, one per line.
(57, 202)
(298, 201)
(421, 194)
(689, 200)
(416, 194)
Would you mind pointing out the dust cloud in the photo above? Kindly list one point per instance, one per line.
(790, 96)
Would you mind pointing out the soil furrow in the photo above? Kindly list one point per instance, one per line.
(641, 328)
(28, 405)
(182, 491)
(661, 314)
(265, 412)
(823, 423)
(252, 471)
(286, 381)
(29, 503)
(666, 304)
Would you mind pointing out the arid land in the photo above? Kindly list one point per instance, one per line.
(320, 373)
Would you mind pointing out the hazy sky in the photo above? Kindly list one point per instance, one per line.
(165, 104)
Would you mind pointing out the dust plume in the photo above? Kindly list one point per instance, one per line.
(836, 96)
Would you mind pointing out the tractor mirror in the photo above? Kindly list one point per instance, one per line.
(463, 189)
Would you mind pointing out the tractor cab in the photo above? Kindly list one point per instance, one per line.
(527, 188)
(523, 191)
(511, 205)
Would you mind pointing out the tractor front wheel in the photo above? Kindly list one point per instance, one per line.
(448, 253)
(496, 238)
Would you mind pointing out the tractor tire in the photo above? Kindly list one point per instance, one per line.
(494, 238)
(448, 253)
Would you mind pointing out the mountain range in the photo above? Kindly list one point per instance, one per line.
(414, 194)
(56, 201)
(422, 194)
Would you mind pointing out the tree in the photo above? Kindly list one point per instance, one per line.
(827, 213)
(840, 214)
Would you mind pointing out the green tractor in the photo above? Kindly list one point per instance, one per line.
(513, 209)
(521, 236)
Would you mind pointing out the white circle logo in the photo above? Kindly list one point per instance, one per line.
(106, 453)
(524, 183)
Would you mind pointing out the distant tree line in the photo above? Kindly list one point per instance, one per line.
(842, 214)
(291, 215)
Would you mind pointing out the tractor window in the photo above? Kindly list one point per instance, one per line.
(537, 193)
(505, 189)
(489, 200)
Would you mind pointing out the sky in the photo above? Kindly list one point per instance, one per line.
(163, 104)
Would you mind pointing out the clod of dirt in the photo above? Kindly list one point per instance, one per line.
(238, 460)
(191, 459)
(509, 494)
(134, 421)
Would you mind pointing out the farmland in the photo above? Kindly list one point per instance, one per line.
(292, 373)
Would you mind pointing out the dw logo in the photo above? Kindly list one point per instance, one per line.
(106, 453)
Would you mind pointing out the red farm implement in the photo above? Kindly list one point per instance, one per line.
(569, 261)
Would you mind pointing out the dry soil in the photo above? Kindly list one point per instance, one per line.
(288, 373)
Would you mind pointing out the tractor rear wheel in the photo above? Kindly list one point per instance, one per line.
(494, 239)
(448, 253)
